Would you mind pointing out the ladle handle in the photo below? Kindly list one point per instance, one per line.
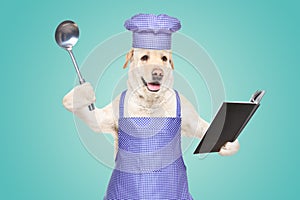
(81, 80)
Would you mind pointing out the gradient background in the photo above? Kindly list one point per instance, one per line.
(254, 44)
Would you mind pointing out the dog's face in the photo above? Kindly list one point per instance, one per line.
(150, 71)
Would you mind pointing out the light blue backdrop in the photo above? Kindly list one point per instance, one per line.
(255, 45)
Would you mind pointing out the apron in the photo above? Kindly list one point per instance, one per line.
(149, 163)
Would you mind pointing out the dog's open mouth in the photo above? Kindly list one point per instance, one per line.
(152, 86)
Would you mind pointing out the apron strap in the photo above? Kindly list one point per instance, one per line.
(178, 106)
(122, 98)
(121, 104)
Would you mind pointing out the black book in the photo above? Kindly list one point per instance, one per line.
(228, 123)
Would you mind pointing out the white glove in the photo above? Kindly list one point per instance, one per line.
(230, 148)
(79, 97)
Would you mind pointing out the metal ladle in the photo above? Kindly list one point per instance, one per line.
(66, 36)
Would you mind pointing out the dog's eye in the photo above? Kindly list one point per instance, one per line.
(145, 58)
(164, 58)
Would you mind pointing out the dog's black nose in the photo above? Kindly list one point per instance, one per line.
(157, 74)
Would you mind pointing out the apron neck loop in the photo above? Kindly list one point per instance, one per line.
(178, 106)
(121, 105)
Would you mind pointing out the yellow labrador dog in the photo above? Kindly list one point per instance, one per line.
(149, 94)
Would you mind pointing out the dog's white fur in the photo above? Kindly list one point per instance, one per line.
(139, 101)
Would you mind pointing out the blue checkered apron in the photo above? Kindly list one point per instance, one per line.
(149, 163)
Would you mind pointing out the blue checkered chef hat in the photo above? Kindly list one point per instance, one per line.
(152, 31)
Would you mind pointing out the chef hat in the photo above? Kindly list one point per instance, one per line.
(152, 31)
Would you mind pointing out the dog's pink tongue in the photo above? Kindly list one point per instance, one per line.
(153, 87)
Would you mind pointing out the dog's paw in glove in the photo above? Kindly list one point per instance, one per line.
(79, 97)
(230, 148)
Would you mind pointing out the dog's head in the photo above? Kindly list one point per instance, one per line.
(150, 71)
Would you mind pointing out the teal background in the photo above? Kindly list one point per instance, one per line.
(254, 44)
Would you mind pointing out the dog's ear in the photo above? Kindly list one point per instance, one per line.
(129, 56)
(172, 64)
(171, 61)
